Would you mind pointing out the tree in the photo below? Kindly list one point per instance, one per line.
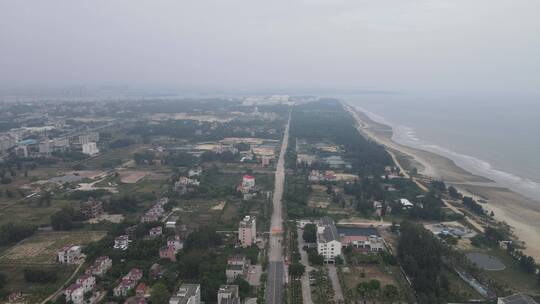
(3, 280)
(62, 220)
(310, 233)
(362, 289)
(373, 287)
(243, 287)
(159, 294)
(296, 270)
(390, 293)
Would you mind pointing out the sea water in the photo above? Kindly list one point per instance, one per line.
(498, 138)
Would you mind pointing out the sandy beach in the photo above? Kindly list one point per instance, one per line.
(518, 211)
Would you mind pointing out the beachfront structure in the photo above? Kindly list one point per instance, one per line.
(247, 231)
(91, 209)
(187, 294)
(228, 294)
(121, 242)
(328, 240)
(90, 149)
(517, 298)
(69, 254)
(100, 267)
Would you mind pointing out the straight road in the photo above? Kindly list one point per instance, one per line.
(276, 268)
(306, 288)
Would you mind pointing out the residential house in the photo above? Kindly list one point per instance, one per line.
(128, 282)
(156, 271)
(187, 294)
(167, 252)
(69, 254)
(101, 265)
(156, 231)
(121, 242)
(175, 242)
(228, 294)
(74, 293)
(88, 282)
(237, 265)
(142, 290)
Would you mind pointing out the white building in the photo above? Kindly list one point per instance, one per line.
(405, 203)
(228, 294)
(90, 149)
(328, 240)
(247, 231)
(89, 138)
(517, 298)
(121, 242)
(74, 293)
(45, 147)
(88, 282)
(69, 254)
(187, 294)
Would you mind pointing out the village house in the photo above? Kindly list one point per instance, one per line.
(167, 252)
(187, 294)
(142, 290)
(237, 265)
(156, 271)
(171, 222)
(228, 294)
(88, 282)
(91, 209)
(247, 231)
(101, 265)
(74, 294)
(156, 231)
(69, 254)
(129, 281)
(121, 242)
(175, 242)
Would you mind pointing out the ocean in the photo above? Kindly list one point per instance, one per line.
(495, 138)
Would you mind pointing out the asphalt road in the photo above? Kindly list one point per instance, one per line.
(306, 288)
(276, 268)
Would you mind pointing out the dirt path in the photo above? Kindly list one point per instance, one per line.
(57, 292)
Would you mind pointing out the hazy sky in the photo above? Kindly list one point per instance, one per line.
(453, 45)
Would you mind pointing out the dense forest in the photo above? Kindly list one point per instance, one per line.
(327, 119)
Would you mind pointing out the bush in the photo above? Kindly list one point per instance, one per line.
(40, 275)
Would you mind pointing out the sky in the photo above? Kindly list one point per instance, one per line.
(384, 45)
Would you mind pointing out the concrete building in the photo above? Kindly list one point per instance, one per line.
(171, 222)
(100, 267)
(129, 281)
(69, 254)
(121, 242)
(328, 240)
(45, 147)
(91, 209)
(155, 231)
(74, 293)
(248, 182)
(90, 149)
(89, 138)
(228, 294)
(167, 252)
(7, 141)
(187, 294)
(247, 231)
(237, 266)
(88, 282)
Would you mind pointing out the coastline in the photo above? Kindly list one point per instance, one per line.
(518, 211)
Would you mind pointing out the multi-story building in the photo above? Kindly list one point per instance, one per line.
(69, 254)
(88, 282)
(247, 231)
(228, 294)
(91, 209)
(328, 240)
(90, 149)
(88, 138)
(101, 265)
(237, 266)
(167, 252)
(129, 281)
(187, 294)
(155, 231)
(74, 294)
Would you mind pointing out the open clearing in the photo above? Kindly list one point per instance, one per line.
(485, 261)
(41, 248)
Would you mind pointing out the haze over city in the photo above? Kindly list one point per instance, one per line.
(483, 47)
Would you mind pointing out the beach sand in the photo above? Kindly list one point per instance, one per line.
(518, 211)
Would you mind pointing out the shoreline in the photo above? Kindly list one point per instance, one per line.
(518, 211)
